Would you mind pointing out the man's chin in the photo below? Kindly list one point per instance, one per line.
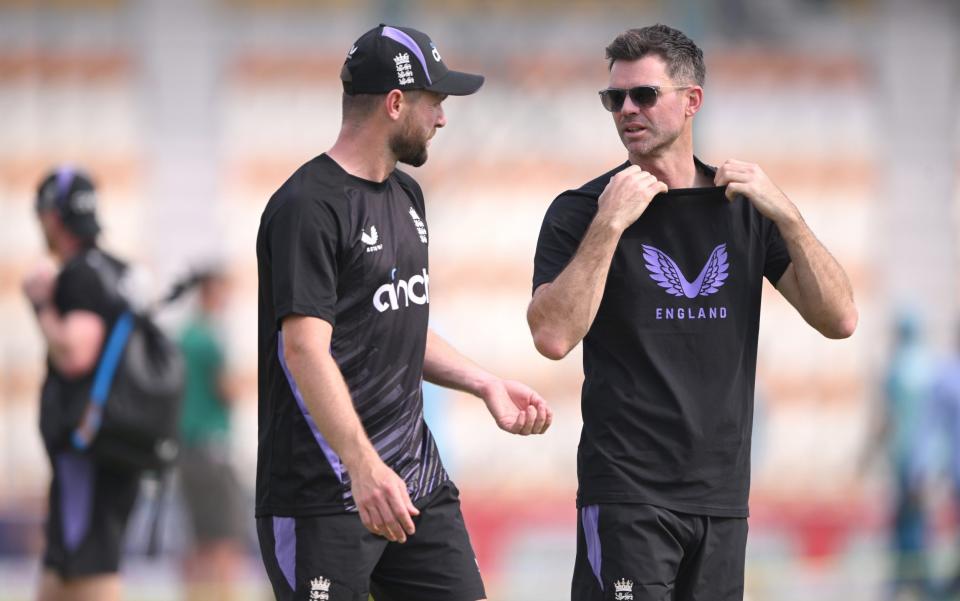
(635, 148)
(414, 161)
(644, 148)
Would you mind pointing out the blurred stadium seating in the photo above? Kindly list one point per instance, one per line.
(186, 165)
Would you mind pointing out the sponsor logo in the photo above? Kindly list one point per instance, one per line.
(352, 50)
(665, 272)
(320, 589)
(404, 69)
(436, 53)
(623, 590)
(397, 294)
(370, 239)
(418, 223)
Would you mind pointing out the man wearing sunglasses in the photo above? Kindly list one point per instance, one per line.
(657, 265)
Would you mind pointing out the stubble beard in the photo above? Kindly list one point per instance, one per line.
(658, 143)
(409, 147)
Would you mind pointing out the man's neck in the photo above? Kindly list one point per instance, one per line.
(674, 164)
(363, 154)
(66, 249)
(677, 170)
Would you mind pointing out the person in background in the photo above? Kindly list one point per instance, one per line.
(939, 440)
(89, 503)
(906, 388)
(210, 488)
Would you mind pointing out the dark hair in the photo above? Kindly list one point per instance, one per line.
(357, 107)
(684, 59)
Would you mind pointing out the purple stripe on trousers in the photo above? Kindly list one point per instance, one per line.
(591, 532)
(75, 481)
(331, 455)
(406, 40)
(285, 548)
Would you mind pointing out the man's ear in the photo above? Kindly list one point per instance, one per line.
(694, 100)
(394, 102)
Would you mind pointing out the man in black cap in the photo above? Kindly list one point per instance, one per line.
(352, 498)
(89, 504)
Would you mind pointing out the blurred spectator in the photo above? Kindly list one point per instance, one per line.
(89, 503)
(210, 487)
(943, 425)
(906, 390)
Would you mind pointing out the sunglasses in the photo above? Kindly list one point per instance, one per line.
(642, 96)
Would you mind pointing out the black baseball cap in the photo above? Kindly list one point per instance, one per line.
(400, 58)
(72, 194)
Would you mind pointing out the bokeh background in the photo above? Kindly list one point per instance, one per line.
(190, 113)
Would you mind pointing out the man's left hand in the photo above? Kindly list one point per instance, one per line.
(517, 408)
(749, 180)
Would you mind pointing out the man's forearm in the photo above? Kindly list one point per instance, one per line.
(561, 312)
(516, 407)
(824, 290)
(327, 398)
(445, 366)
(814, 282)
(73, 340)
(381, 496)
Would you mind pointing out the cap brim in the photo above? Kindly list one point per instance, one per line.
(457, 83)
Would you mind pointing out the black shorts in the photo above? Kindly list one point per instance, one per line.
(636, 552)
(335, 558)
(87, 516)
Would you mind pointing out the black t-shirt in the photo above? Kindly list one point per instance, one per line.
(353, 253)
(90, 281)
(670, 359)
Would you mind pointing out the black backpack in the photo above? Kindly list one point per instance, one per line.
(132, 418)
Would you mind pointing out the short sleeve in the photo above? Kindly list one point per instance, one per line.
(303, 239)
(777, 258)
(80, 288)
(563, 228)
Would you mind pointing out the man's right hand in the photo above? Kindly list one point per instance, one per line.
(38, 284)
(627, 196)
(382, 500)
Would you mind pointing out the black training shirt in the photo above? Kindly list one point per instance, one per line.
(89, 281)
(670, 359)
(353, 253)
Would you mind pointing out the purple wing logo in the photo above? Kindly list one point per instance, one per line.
(665, 272)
